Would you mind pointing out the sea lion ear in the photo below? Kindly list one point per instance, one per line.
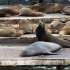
(42, 24)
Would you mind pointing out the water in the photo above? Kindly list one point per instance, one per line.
(33, 68)
(12, 45)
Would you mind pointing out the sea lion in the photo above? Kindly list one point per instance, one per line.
(55, 7)
(66, 10)
(40, 48)
(43, 35)
(34, 26)
(48, 7)
(29, 12)
(65, 30)
(54, 24)
(10, 23)
(25, 25)
(6, 12)
(16, 6)
(68, 23)
(10, 32)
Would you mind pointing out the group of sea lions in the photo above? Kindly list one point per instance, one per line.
(57, 27)
(17, 28)
(46, 44)
(34, 10)
(25, 26)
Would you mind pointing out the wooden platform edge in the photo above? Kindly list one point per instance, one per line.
(56, 15)
(19, 61)
(16, 62)
(28, 38)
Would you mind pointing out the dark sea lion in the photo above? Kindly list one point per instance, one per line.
(43, 35)
(8, 12)
(41, 48)
(66, 10)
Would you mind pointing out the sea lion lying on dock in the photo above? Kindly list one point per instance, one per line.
(43, 35)
(65, 30)
(66, 10)
(48, 8)
(6, 12)
(10, 32)
(29, 12)
(41, 48)
(16, 6)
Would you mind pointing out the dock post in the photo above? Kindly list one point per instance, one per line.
(60, 67)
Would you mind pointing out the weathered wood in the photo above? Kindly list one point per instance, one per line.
(10, 56)
(27, 38)
(56, 15)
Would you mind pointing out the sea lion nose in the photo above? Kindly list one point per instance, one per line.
(42, 24)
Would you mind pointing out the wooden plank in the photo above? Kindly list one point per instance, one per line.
(10, 56)
(56, 15)
(27, 38)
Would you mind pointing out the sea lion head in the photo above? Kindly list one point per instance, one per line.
(27, 52)
(40, 27)
(40, 30)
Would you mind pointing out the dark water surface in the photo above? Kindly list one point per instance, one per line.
(12, 45)
(34, 68)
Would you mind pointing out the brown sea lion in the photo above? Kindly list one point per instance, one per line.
(54, 24)
(40, 7)
(6, 12)
(53, 27)
(29, 12)
(16, 6)
(66, 10)
(68, 23)
(10, 22)
(25, 25)
(41, 48)
(10, 32)
(43, 35)
(48, 8)
(65, 30)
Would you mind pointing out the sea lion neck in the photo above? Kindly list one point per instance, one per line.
(40, 32)
(41, 24)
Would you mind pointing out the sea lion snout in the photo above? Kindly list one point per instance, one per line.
(26, 52)
(42, 24)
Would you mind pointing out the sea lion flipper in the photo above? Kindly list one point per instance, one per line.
(50, 53)
(53, 53)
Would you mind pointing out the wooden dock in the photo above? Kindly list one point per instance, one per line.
(10, 56)
(27, 38)
(55, 15)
